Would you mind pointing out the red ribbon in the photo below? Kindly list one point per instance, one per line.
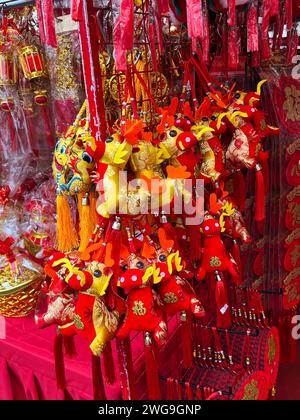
(46, 22)
(252, 29)
(231, 13)
(76, 10)
(265, 50)
(289, 14)
(123, 33)
(194, 20)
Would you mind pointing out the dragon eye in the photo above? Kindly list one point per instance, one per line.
(213, 117)
(162, 258)
(97, 273)
(173, 133)
(125, 267)
(237, 96)
(86, 157)
(63, 149)
(140, 264)
(204, 119)
(109, 140)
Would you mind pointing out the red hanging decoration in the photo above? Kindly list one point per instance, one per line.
(252, 29)
(151, 370)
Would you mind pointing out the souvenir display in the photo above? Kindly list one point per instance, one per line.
(163, 237)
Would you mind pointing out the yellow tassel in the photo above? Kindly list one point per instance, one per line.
(66, 235)
(85, 223)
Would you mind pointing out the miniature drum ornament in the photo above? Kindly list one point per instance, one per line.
(263, 352)
(32, 62)
(8, 71)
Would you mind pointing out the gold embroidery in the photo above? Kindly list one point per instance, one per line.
(251, 392)
(78, 323)
(215, 262)
(272, 349)
(138, 308)
(291, 104)
(170, 297)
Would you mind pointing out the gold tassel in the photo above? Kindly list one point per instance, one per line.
(66, 235)
(85, 223)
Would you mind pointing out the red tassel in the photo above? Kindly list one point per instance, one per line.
(259, 196)
(109, 367)
(240, 190)
(236, 253)
(126, 369)
(222, 302)
(69, 345)
(59, 361)
(98, 385)
(151, 370)
(187, 347)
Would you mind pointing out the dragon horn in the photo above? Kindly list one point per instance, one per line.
(258, 89)
(204, 130)
(220, 117)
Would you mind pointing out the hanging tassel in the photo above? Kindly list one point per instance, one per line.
(59, 361)
(151, 370)
(259, 194)
(187, 347)
(69, 345)
(222, 302)
(65, 233)
(98, 385)
(236, 254)
(85, 223)
(109, 367)
(240, 190)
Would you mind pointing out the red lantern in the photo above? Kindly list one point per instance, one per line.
(8, 73)
(32, 62)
